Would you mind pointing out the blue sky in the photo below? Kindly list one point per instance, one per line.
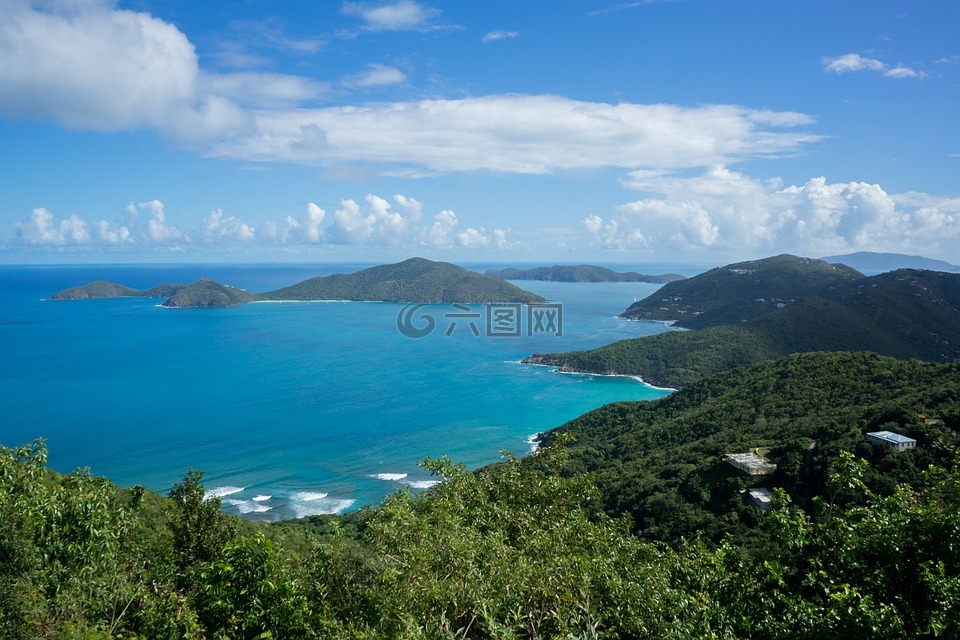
(695, 131)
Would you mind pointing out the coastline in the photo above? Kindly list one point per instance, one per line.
(560, 369)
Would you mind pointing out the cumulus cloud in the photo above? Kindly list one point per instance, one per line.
(852, 62)
(157, 229)
(90, 66)
(405, 15)
(725, 209)
(518, 134)
(305, 228)
(217, 228)
(41, 228)
(371, 222)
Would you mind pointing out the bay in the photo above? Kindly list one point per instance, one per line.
(290, 409)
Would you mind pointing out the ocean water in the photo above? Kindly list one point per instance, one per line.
(290, 409)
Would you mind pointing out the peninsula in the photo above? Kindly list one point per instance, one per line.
(416, 280)
(808, 305)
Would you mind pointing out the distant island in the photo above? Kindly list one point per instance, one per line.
(416, 280)
(801, 305)
(581, 273)
(870, 261)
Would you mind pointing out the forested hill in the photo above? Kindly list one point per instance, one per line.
(580, 273)
(208, 293)
(413, 280)
(741, 291)
(662, 461)
(904, 314)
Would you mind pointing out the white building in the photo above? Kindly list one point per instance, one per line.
(750, 463)
(891, 439)
(763, 499)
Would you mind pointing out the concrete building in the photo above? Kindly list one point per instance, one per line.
(763, 499)
(891, 439)
(750, 463)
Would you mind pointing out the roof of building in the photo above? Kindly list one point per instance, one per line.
(763, 495)
(750, 461)
(890, 436)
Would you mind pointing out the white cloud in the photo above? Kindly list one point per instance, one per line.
(493, 36)
(608, 234)
(157, 228)
(724, 209)
(902, 72)
(517, 134)
(90, 66)
(472, 238)
(305, 228)
(852, 62)
(42, 229)
(376, 75)
(263, 89)
(217, 228)
(404, 15)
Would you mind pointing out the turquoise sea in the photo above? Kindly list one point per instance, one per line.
(290, 409)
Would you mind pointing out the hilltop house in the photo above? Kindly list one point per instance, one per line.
(891, 439)
(750, 463)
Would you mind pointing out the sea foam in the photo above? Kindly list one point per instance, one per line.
(248, 506)
(308, 496)
(422, 484)
(219, 492)
(318, 506)
(389, 477)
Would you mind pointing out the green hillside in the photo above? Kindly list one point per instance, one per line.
(741, 291)
(98, 289)
(207, 293)
(662, 461)
(580, 273)
(904, 314)
(413, 280)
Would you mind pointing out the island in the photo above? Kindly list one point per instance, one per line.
(416, 280)
(581, 273)
(871, 261)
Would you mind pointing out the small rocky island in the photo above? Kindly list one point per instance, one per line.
(416, 280)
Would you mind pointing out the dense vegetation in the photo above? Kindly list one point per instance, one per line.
(662, 462)
(98, 289)
(580, 273)
(413, 280)
(741, 291)
(904, 314)
(208, 293)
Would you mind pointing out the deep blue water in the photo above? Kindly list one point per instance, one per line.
(288, 408)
